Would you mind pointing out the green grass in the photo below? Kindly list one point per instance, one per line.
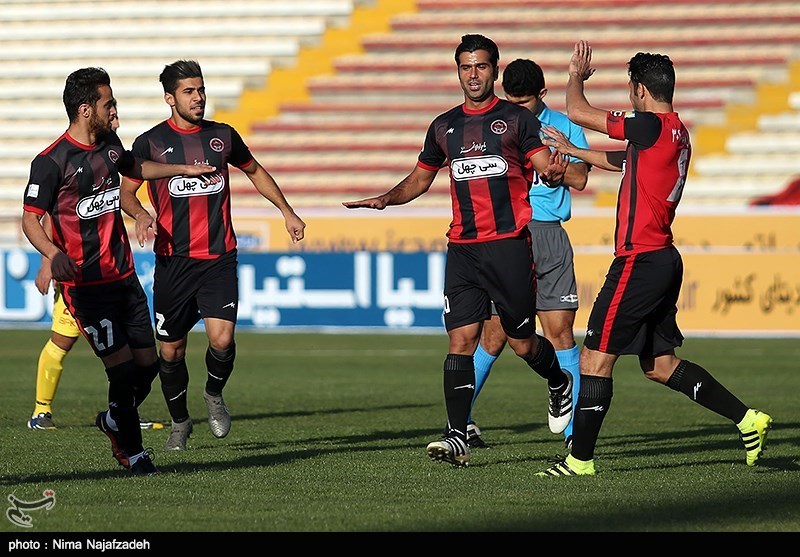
(329, 434)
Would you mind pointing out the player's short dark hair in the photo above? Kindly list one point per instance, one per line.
(180, 69)
(654, 71)
(522, 78)
(471, 43)
(82, 87)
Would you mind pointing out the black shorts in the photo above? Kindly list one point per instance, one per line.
(499, 271)
(186, 290)
(111, 315)
(634, 313)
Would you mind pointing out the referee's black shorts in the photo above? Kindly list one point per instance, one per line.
(500, 271)
(634, 313)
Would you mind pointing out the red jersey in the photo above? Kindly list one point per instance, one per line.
(78, 185)
(653, 177)
(193, 218)
(490, 175)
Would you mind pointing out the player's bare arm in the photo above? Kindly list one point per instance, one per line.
(576, 174)
(578, 108)
(551, 167)
(45, 274)
(409, 188)
(268, 188)
(62, 266)
(130, 204)
(607, 160)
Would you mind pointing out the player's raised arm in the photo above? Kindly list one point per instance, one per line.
(409, 188)
(578, 108)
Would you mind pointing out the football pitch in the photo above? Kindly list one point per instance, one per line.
(329, 434)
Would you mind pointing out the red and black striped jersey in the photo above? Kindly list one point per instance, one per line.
(653, 177)
(488, 152)
(193, 218)
(78, 185)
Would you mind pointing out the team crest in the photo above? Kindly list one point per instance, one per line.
(113, 156)
(216, 144)
(499, 127)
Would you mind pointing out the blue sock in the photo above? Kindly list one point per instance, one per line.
(483, 365)
(569, 360)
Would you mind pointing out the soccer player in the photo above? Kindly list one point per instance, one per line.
(556, 289)
(65, 333)
(493, 152)
(635, 311)
(76, 181)
(195, 244)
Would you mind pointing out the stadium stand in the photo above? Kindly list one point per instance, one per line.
(334, 96)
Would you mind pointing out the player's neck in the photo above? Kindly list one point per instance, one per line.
(81, 133)
(180, 123)
(658, 107)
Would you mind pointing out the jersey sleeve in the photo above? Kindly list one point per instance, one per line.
(642, 129)
(240, 152)
(141, 151)
(529, 139)
(40, 193)
(432, 156)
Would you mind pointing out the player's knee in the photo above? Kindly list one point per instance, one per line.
(224, 354)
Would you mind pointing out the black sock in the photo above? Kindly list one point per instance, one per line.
(145, 375)
(700, 386)
(121, 403)
(459, 386)
(545, 363)
(174, 383)
(590, 411)
(219, 364)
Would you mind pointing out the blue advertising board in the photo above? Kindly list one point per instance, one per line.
(361, 289)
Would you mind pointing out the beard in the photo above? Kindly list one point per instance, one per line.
(99, 127)
(189, 116)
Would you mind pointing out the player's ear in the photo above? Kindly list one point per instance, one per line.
(169, 98)
(84, 110)
(543, 93)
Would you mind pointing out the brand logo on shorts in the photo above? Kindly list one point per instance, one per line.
(478, 167)
(95, 205)
(570, 298)
(185, 186)
(527, 320)
(590, 332)
(230, 305)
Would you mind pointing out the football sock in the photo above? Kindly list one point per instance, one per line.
(174, 383)
(545, 363)
(145, 375)
(121, 406)
(590, 411)
(48, 374)
(459, 386)
(569, 360)
(700, 386)
(219, 364)
(483, 365)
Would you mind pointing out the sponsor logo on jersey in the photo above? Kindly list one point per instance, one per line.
(478, 167)
(499, 127)
(93, 206)
(216, 144)
(185, 186)
(33, 190)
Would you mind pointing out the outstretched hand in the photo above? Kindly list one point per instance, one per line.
(369, 203)
(580, 64)
(553, 175)
(556, 139)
